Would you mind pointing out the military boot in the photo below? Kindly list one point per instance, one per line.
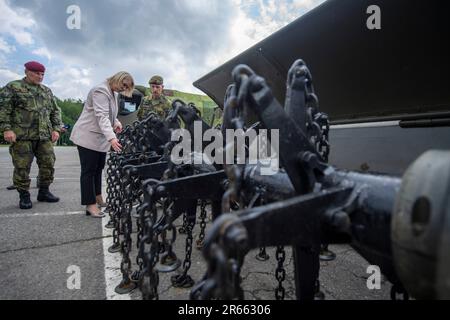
(25, 201)
(45, 195)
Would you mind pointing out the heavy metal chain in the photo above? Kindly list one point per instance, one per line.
(116, 204)
(123, 191)
(317, 123)
(225, 259)
(163, 230)
(188, 247)
(184, 280)
(136, 190)
(114, 189)
(109, 181)
(222, 280)
(149, 251)
(141, 211)
(234, 118)
(127, 227)
(111, 163)
(120, 198)
(318, 128)
(149, 279)
(280, 273)
(145, 211)
(203, 215)
(183, 228)
(323, 145)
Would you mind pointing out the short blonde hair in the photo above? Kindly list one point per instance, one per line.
(118, 79)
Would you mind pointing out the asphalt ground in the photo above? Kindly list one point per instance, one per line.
(43, 249)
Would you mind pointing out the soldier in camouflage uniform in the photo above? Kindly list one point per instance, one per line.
(157, 102)
(30, 120)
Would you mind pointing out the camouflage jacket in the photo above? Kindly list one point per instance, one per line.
(29, 110)
(160, 106)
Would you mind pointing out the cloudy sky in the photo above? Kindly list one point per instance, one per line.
(180, 39)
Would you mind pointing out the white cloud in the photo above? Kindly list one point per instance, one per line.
(7, 76)
(43, 52)
(70, 82)
(247, 29)
(199, 7)
(5, 47)
(16, 23)
(186, 41)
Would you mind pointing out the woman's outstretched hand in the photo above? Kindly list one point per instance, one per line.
(116, 145)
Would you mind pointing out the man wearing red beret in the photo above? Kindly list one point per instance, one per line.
(31, 122)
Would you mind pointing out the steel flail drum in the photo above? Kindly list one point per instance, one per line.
(421, 227)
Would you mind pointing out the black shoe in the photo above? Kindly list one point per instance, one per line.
(45, 195)
(11, 187)
(25, 201)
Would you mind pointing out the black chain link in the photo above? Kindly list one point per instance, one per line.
(317, 124)
(169, 255)
(188, 248)
(149, 251)
(124, 190)
(184, 280)
(183, 228)
(127, 227)
(280, 273)
(115, 202)
(203, 215)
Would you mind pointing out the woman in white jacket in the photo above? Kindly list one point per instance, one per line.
(94, 133)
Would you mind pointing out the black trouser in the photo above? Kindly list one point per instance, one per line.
(92, 164)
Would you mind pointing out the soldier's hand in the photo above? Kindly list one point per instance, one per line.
(9, 136)
(55, 136)
(116, 145)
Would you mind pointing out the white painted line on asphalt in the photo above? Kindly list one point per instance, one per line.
(41, 214)
(113, 275)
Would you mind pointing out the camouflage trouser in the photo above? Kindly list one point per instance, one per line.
(23, 153)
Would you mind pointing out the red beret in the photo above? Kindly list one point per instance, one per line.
(34, 66)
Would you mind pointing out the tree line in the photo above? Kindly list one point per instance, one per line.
(70, 111)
